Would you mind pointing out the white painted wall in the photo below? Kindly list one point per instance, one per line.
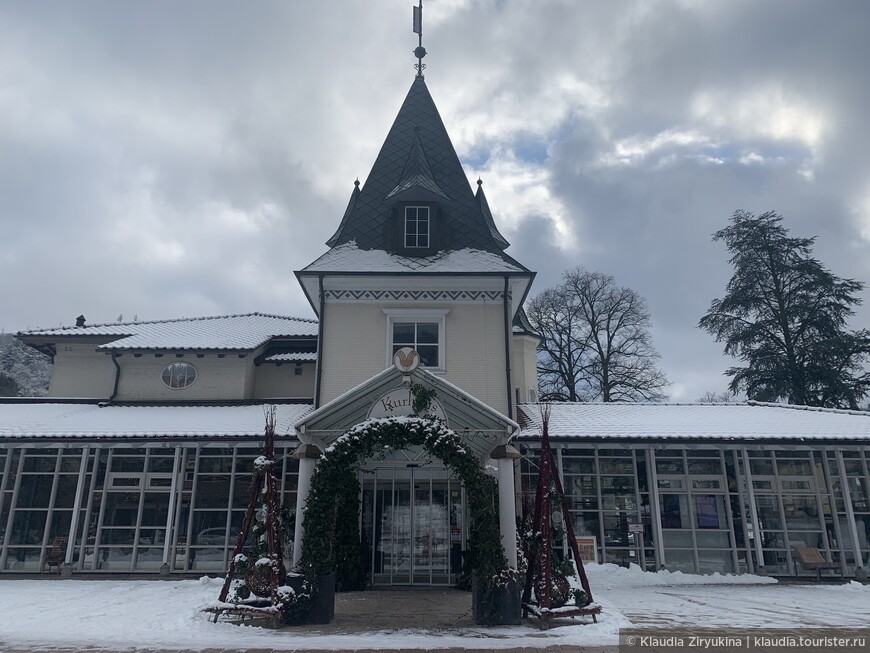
(355, 347)
(524, 367)
(81, 371)
(281, 381)
(217, 378)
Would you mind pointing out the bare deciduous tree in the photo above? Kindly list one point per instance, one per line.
(596, 342)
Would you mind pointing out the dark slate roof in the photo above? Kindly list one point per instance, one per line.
(522, 326)
(417, 173)
(418, 152)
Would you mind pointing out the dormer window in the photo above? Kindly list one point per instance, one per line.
(417, 225)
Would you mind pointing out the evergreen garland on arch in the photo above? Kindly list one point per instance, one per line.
(334, 487)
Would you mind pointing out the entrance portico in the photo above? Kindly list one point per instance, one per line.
(413, 513)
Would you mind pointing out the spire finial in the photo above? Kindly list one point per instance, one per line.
(479, 181)
(419, 51)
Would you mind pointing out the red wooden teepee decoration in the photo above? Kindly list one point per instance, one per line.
(259, 603)
(539, 551)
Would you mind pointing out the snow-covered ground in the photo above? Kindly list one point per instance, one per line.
(165, 614)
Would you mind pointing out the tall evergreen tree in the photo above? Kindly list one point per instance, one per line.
(784, 314)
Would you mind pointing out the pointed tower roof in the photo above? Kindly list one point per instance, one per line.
(417, 154)
(351, 203)
(487, 215)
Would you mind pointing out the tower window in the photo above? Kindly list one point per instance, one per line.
(417, 227)
(422, 336)
(421, 329)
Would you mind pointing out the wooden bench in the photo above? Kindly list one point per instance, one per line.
(810, 558)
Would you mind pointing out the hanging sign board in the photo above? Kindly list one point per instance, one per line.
(587, 546)
(400, 402)
(634, 527)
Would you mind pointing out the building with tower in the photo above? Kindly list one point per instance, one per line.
(139, 460)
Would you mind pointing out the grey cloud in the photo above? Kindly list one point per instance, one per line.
(130, 125)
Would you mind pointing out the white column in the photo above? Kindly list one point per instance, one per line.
(753, 514)
(170, 513)
(307, 455)
(850, 512)
(654, 509)
(505, 455)
(74, 520)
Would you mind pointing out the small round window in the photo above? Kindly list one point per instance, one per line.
(179, 375)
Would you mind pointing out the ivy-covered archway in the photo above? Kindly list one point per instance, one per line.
(330, 529)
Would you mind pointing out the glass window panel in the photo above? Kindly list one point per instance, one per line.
(212, 490)
(66, 491)
(118, 536)
(796, 485)
(209, 528)
(674, 510)
(617, 484)
(616, 530)
(35, 491)
(616, 466)
(586, 523)
(215, 465)
(761, 467)
(28, 527)
(155, 509)
(709, 511)
(39, 464)
(122, 509)
(428, 355)
(768, 512)
(160, 464)
(427, 332)
(128, 463)
(59, 524)
(668, 466)
(793, 467)
(705, 467)
(578, 466)
(671, 483)
(801, 513)
(403, 333)
(714, 540)
(70, 463)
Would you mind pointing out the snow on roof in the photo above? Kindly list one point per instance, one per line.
(92, 421)
(738, 421)
(238, 332)
(292, 357)
(350, 258)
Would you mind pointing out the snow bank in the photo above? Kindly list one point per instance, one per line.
(607, 576)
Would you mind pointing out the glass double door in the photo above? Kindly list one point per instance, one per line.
(412, 518)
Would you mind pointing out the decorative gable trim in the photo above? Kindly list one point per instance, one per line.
(456, 296)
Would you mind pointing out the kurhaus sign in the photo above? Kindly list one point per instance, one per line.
(400, 402)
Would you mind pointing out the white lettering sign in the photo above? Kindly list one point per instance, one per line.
(400, 402)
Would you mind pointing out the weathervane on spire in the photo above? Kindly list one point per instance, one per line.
(419, 51)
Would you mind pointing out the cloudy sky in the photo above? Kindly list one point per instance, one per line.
(169, 159)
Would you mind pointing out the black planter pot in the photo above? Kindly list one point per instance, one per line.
(322, 608)
(498, 606)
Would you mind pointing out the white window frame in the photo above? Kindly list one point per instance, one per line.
(437, 315)
(405, 244)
